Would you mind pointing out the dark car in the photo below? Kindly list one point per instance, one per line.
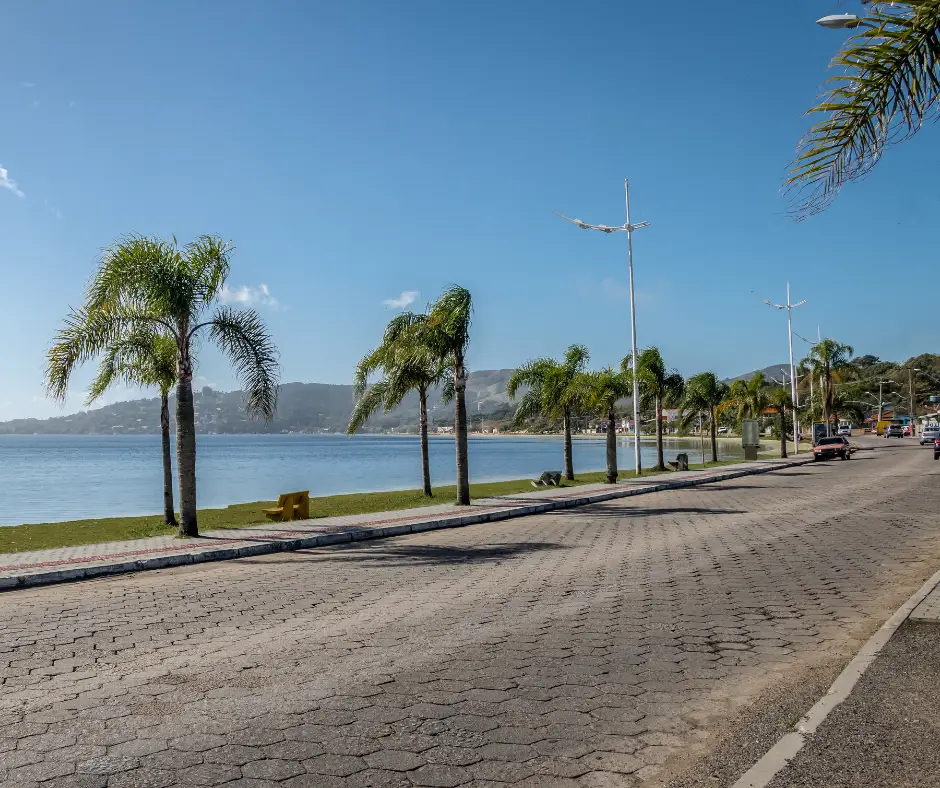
(830, 448)
(894, 431)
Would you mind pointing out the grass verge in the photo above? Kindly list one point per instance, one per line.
(41, 536)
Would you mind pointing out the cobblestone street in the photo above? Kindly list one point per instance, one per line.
(598, 646)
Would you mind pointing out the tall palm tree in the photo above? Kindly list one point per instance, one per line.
(146, 284)
(779, 399)
(749, 397)
(403, 370)
(555, 389)
(145, 358)
(659, 387)
(603, 390)
(705, 393)
(888, 84)
(445, 339)
(830, 362)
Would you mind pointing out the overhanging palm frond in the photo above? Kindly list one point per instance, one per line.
(889, 87)
(243, 337)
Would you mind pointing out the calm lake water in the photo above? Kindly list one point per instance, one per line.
(47, 478)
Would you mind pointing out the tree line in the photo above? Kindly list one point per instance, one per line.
(150, 300)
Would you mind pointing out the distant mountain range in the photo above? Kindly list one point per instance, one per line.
(302, 407)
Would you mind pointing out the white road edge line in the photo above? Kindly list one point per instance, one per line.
(777, 757)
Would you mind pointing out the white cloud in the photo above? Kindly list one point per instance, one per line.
(407, 298)
(6, 182)
(246, 295)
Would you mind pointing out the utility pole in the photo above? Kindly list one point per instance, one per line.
(790, 307)
(910, 381)
(629, 229)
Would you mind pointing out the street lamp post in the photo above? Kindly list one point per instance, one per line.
(790, 307)
(628, 228)
(910, 382)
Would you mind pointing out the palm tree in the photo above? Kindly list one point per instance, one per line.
(887, 86)
(145, 284)
(603, 390)
(749, 397)
(658, 386)
(830, 362)
(705, 393)
(445, 339)
(779, 399)
(555, 389)
(403, 371)
(145, 358)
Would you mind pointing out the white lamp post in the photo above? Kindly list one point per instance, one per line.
(628, 229)
(790, 307)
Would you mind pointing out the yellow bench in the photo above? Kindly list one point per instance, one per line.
(290, 506)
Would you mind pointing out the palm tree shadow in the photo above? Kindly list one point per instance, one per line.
(625, 511)
(390, 554)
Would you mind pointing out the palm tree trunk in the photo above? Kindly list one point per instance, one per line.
(423, 431)
(569, 462)
(714, 436)
(660, 460)
(169, 513)
(186, 446)
(611, 447)
(783, 434)
(460, 432)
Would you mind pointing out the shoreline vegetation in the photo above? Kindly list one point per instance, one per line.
(41, 536)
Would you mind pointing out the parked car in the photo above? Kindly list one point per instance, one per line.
(930, 434)
(830, 448)
(722, 430)
(845, 430)
(907, 431)
(894, 431)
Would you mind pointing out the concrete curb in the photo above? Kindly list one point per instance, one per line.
(492, 514)
(785, 750)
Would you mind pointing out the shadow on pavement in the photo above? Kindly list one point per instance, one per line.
(606, 510)
(389, 554)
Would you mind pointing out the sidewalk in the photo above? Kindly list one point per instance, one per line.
(884, 735)
(42, 567)
(877, 726)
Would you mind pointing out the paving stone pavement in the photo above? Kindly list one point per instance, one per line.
(587, 647)
(65, 564)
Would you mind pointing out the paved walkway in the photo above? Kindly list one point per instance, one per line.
(41, 567)
(605, 645)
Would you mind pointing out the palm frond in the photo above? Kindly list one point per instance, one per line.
(889, 86)
(368, 403)
(243, 337)
(87, 334)
(144, 358)
(208, 260)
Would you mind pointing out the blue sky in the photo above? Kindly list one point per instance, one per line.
(355, 152)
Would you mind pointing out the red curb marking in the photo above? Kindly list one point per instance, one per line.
(87, 559)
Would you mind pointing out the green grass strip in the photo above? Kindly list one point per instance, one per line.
(41, 536)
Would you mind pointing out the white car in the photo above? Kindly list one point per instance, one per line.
(930, 434)
(722, 430)
(847, 431)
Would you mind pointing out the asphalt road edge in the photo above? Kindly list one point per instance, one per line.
(785, 750)
(196, 556)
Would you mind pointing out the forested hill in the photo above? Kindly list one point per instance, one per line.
(302, 407)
